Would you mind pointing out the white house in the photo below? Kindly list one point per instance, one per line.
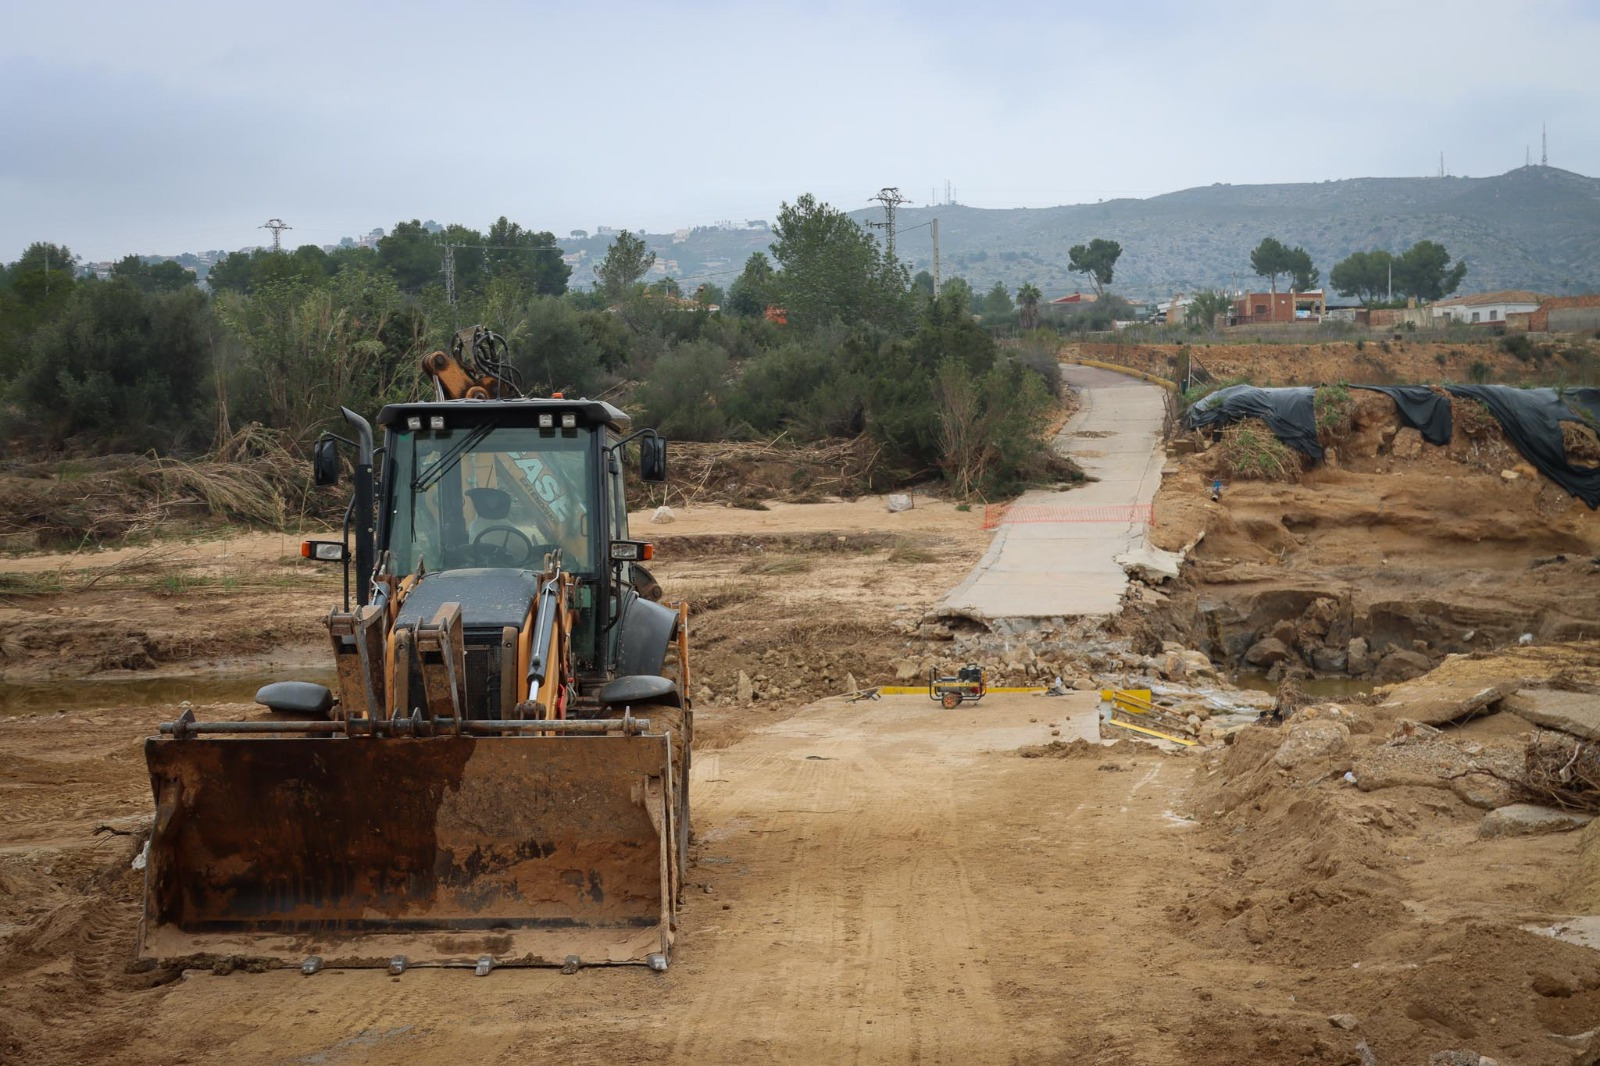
(1485, 307)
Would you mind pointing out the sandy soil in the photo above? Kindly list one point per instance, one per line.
(875, 882)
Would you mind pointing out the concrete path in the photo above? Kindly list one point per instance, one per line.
(1054, 555)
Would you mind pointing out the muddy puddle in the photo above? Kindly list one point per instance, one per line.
(52, 696)
(1320, 688)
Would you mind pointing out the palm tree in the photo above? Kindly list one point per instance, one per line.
(1028, 303)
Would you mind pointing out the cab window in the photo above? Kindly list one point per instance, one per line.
(490, 496)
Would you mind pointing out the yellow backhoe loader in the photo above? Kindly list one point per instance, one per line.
(502, 777)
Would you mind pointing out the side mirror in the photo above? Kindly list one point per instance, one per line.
(652, 458)
(325, 462)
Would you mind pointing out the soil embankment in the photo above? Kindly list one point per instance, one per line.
(884, 881)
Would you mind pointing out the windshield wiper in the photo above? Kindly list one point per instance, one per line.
(447, 462)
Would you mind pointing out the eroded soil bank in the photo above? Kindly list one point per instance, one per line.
(884, 881)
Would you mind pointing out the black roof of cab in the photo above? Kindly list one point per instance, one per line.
(523, 412)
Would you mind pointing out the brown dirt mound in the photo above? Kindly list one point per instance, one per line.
(752, 471)
(1321, 876)
(256, 478)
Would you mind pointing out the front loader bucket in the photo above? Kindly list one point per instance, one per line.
(449, 850)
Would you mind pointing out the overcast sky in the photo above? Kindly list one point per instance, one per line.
(164, 127)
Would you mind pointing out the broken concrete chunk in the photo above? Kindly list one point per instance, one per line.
(1526, 819)
(1150, 564)
(1435, 702)
(1577, 713)
(1483, 792)
(663, 515)
(899, 501)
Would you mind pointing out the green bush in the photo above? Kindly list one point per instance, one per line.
(1250, 452)
(1334, 407)
(685, 395)
(1518, 345)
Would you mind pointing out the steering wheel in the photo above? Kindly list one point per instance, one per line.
(514, 549)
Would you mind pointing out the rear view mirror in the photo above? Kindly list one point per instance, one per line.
(325, 462)
(652, 458)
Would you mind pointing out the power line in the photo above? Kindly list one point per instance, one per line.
(890, 198)
(277, 226)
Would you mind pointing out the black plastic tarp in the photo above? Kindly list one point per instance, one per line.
(1420, 408)
(1531, 419)
(1289, 412)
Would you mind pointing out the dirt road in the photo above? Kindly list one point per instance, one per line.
(876, 882)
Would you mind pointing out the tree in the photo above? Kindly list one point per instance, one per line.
(532, 258)
(119, 369)
(44, 277)
(1204, 307)
(1363, 274)
(1098, 259)
(411, 255)
(163, 276)
(1272, 257)
(684, 397)
(1423, 271)
(1028, 298)
(667, 287)
(234, 272)
(958, 289)
(833, 270)
(998, 301)
(626, 261)
(557, 347)
(751, 291)
(1306, 276)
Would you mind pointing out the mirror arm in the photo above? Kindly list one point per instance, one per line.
(631, 437)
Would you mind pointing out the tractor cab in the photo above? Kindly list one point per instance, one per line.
(476, 497)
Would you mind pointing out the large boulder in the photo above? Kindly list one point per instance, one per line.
(1402, 665)
(1317, 738)
(1526, 819)
(1358, 655)
(1329, 660)
(1268, 651)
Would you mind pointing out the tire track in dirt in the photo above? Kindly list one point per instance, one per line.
(888, 884)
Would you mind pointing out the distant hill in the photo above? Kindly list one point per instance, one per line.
(1531, 228)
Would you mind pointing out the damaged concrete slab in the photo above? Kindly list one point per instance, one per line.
(1057, 553)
